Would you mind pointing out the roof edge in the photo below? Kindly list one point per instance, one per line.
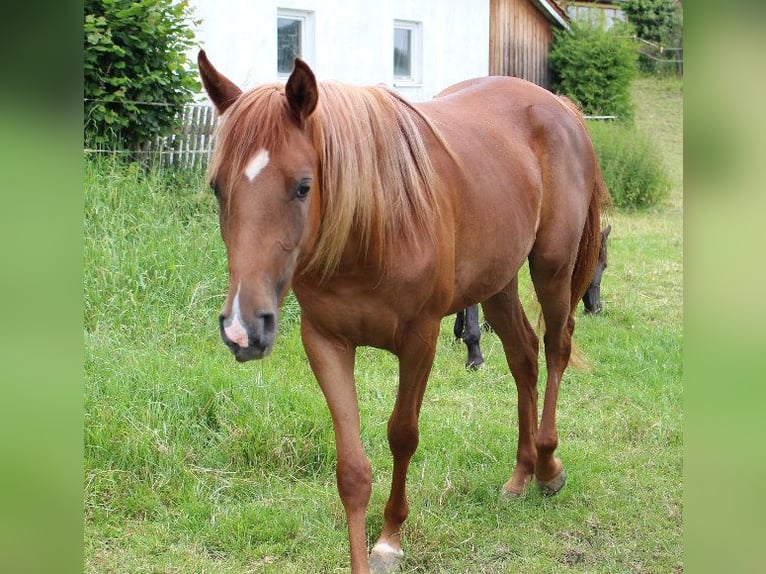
(553, 12)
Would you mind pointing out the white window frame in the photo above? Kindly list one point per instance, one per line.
(307, 36)
(416, 54)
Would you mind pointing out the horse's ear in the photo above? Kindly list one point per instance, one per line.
(221, 90)
(301, 90)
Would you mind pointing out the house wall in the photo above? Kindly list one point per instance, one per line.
(600, 12)
(519, 39)
(353, 40)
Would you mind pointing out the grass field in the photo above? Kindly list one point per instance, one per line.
(194, 463)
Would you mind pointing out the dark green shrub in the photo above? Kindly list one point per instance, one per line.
(594, 67)
(135, 51)
(653, 20)
(631, 164)
(659, 22)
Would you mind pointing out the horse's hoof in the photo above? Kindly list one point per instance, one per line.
(512, 494)
(384, 558)
(474, 365)
(554, 485)
(516, 487)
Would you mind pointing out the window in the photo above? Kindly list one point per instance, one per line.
(407, 52)
(402, 53)
(295, 38)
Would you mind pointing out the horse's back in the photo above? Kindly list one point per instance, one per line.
(513, 107)
(488, 82)
(525, 161)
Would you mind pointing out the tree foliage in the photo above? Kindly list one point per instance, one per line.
(594, 67)
(661, 23)
(135, 54)
(654, 20)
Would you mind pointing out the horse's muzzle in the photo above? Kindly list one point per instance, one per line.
(253, 340)
(592, 300)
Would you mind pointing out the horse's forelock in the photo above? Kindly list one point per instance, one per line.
(256, 121)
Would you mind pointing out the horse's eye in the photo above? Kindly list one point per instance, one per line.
(302, 191)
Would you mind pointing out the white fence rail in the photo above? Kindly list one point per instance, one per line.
(189, 143)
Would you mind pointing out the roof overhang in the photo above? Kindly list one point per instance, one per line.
(553, 12)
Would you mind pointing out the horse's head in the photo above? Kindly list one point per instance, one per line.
(592, 297)
(264, 174)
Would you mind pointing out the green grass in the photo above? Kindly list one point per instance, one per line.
(194, 463)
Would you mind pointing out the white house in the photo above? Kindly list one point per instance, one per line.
(417, 47)
(607, 11)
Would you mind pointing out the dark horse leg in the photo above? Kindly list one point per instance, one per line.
(467, 328)
(506, 316)
(457, 329)
(592, 298)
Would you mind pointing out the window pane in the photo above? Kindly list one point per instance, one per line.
(288, 43)
(402, 52)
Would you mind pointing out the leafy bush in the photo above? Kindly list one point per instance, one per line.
(632, 167)
(135, 51)
(654, 20)
(660, 22)
(594, 67)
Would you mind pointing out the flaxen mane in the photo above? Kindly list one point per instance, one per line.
(376, 178)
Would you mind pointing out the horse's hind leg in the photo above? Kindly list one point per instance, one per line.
(459, 325)
(467, 328)
(506, 316)
(471, 337)
(552, 281)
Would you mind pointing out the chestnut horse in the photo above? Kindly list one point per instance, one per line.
(384, 217)
(467, 328)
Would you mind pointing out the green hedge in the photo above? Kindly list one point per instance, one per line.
(633, 168)
(660, 22)
(594, 68)
(135, 51)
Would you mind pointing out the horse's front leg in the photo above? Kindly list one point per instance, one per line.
(332, 361)
(416, 355)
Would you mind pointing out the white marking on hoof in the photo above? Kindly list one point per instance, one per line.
(256, 164)
(385, 559)
(386, 548)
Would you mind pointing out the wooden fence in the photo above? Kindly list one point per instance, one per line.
(189, 144)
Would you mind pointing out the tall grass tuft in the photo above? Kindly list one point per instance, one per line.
(633, 169)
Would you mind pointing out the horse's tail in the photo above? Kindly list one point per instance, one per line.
(587, 256)
(590, 242)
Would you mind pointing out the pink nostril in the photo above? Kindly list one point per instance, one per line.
(236, 331)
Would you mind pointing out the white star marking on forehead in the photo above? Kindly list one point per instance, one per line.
(256, 164)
